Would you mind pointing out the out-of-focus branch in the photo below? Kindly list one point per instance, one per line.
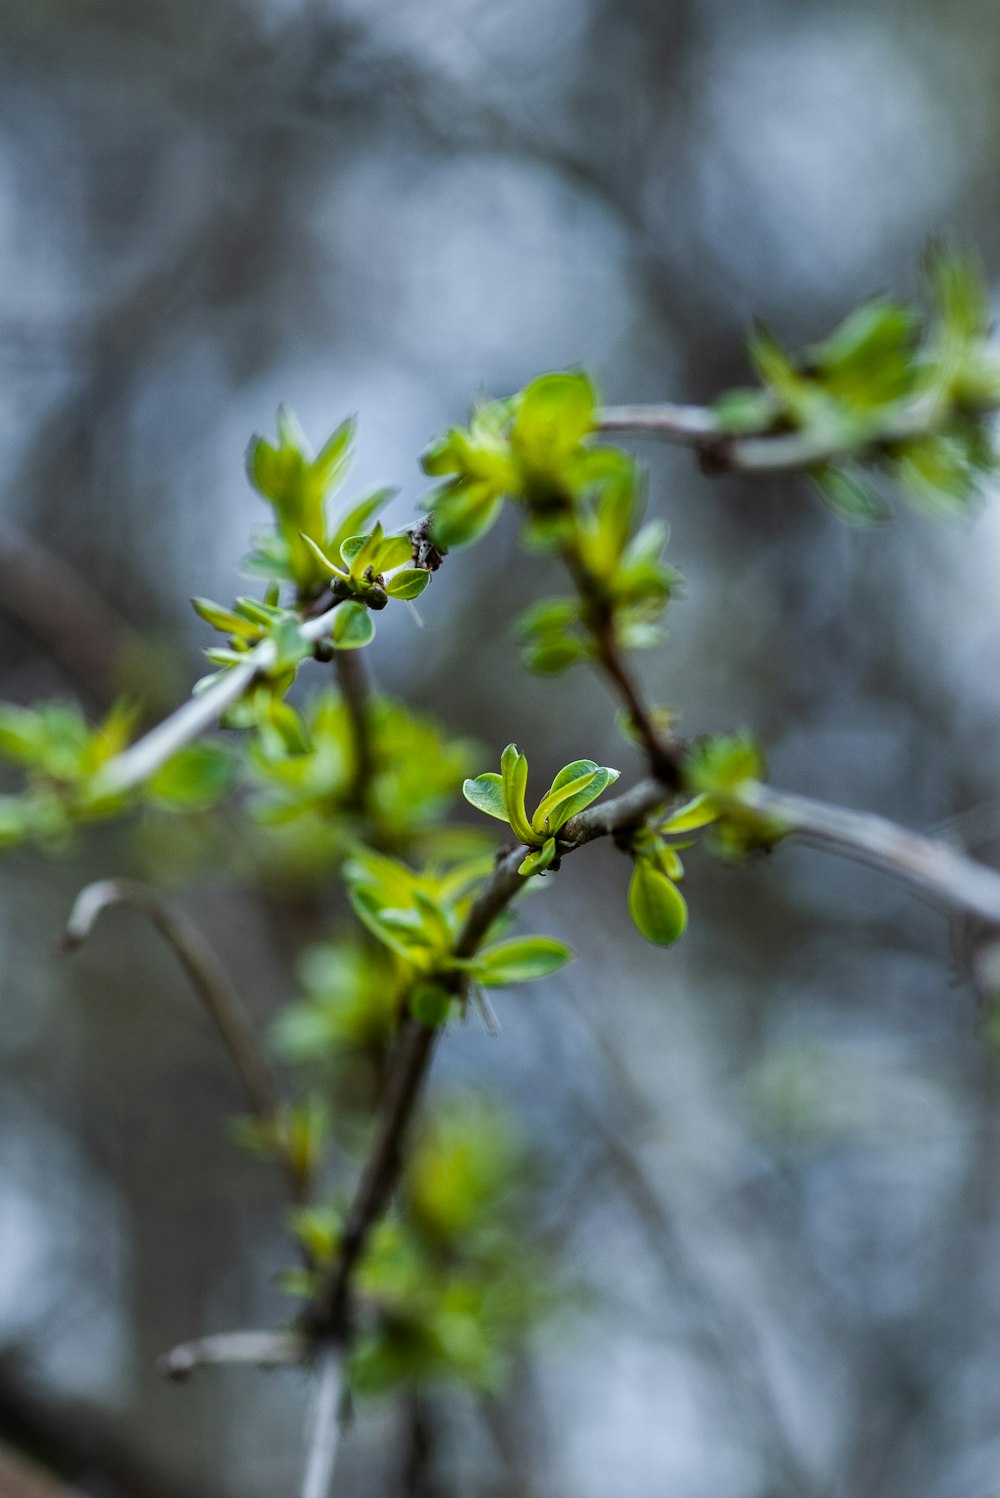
(257, 1349)
(352, 678)
(324, 1425)
(956, 880)
(722, 451)
(207, 973)
(64, 612)
(198, 714)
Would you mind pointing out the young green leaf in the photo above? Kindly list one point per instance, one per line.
(514, 770)
(538, 860)
(656, 905)
(353, 626)
(573, 789)
(520, 960)
(321, 556)
(193, 779)
(693, 814)
(486, 794)
(409, 583)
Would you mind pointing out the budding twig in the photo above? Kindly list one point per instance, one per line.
(330, 1315)
(699, 427)
(143, 758)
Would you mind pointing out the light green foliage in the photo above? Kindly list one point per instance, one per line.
(359, 575)
(299, 1136)
(502, 796)
(195, 779)
(480, 470)
(420, 916)
(351, 997)
(416, 770)
(891, 395)
(446, 1288)
(248, 624)
(453, 1287)
(655, 904)
(717, 768)
(520, 960)
(297, 486)
(581, 498)
(61, 755)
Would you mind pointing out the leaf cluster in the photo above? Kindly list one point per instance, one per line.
(892, 395)
(448, 1287)
(61, 756)
(420, 916)
(574, 495)
(502, 796)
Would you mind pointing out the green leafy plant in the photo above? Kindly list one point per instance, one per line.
(411, 1265)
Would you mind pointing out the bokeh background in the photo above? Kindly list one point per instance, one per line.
(770, 1154)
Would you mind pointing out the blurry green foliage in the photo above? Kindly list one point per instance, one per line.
(449, 1286)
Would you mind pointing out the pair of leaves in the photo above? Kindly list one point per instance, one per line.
(503, 796)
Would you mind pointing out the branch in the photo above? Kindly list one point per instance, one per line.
(352, 678)
(330, 1316)
(324, 1424)
(721, 451)
(65, 613)
(208, 975)
(957, 881)
(145, 757)
(259, 1349)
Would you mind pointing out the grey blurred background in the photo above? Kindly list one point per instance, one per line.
(772, 1153)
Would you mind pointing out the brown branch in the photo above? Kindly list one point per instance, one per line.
(208, 976)
(329, 1317)
(764, 452)
(65, 613)
(352, 678)
(665, 755)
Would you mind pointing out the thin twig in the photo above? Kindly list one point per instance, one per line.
(330, 1315)
(352, 678)
(664, 754)
(957, 881)
(207, 973)
(324, 1424)
(198, 714)
(328, 1318)
(258, 1349)
(721, 451)
(935, 866)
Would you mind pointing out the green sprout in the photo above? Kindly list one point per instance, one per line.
(502, 796)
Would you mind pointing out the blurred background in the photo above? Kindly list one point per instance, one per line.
(770, 1155)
